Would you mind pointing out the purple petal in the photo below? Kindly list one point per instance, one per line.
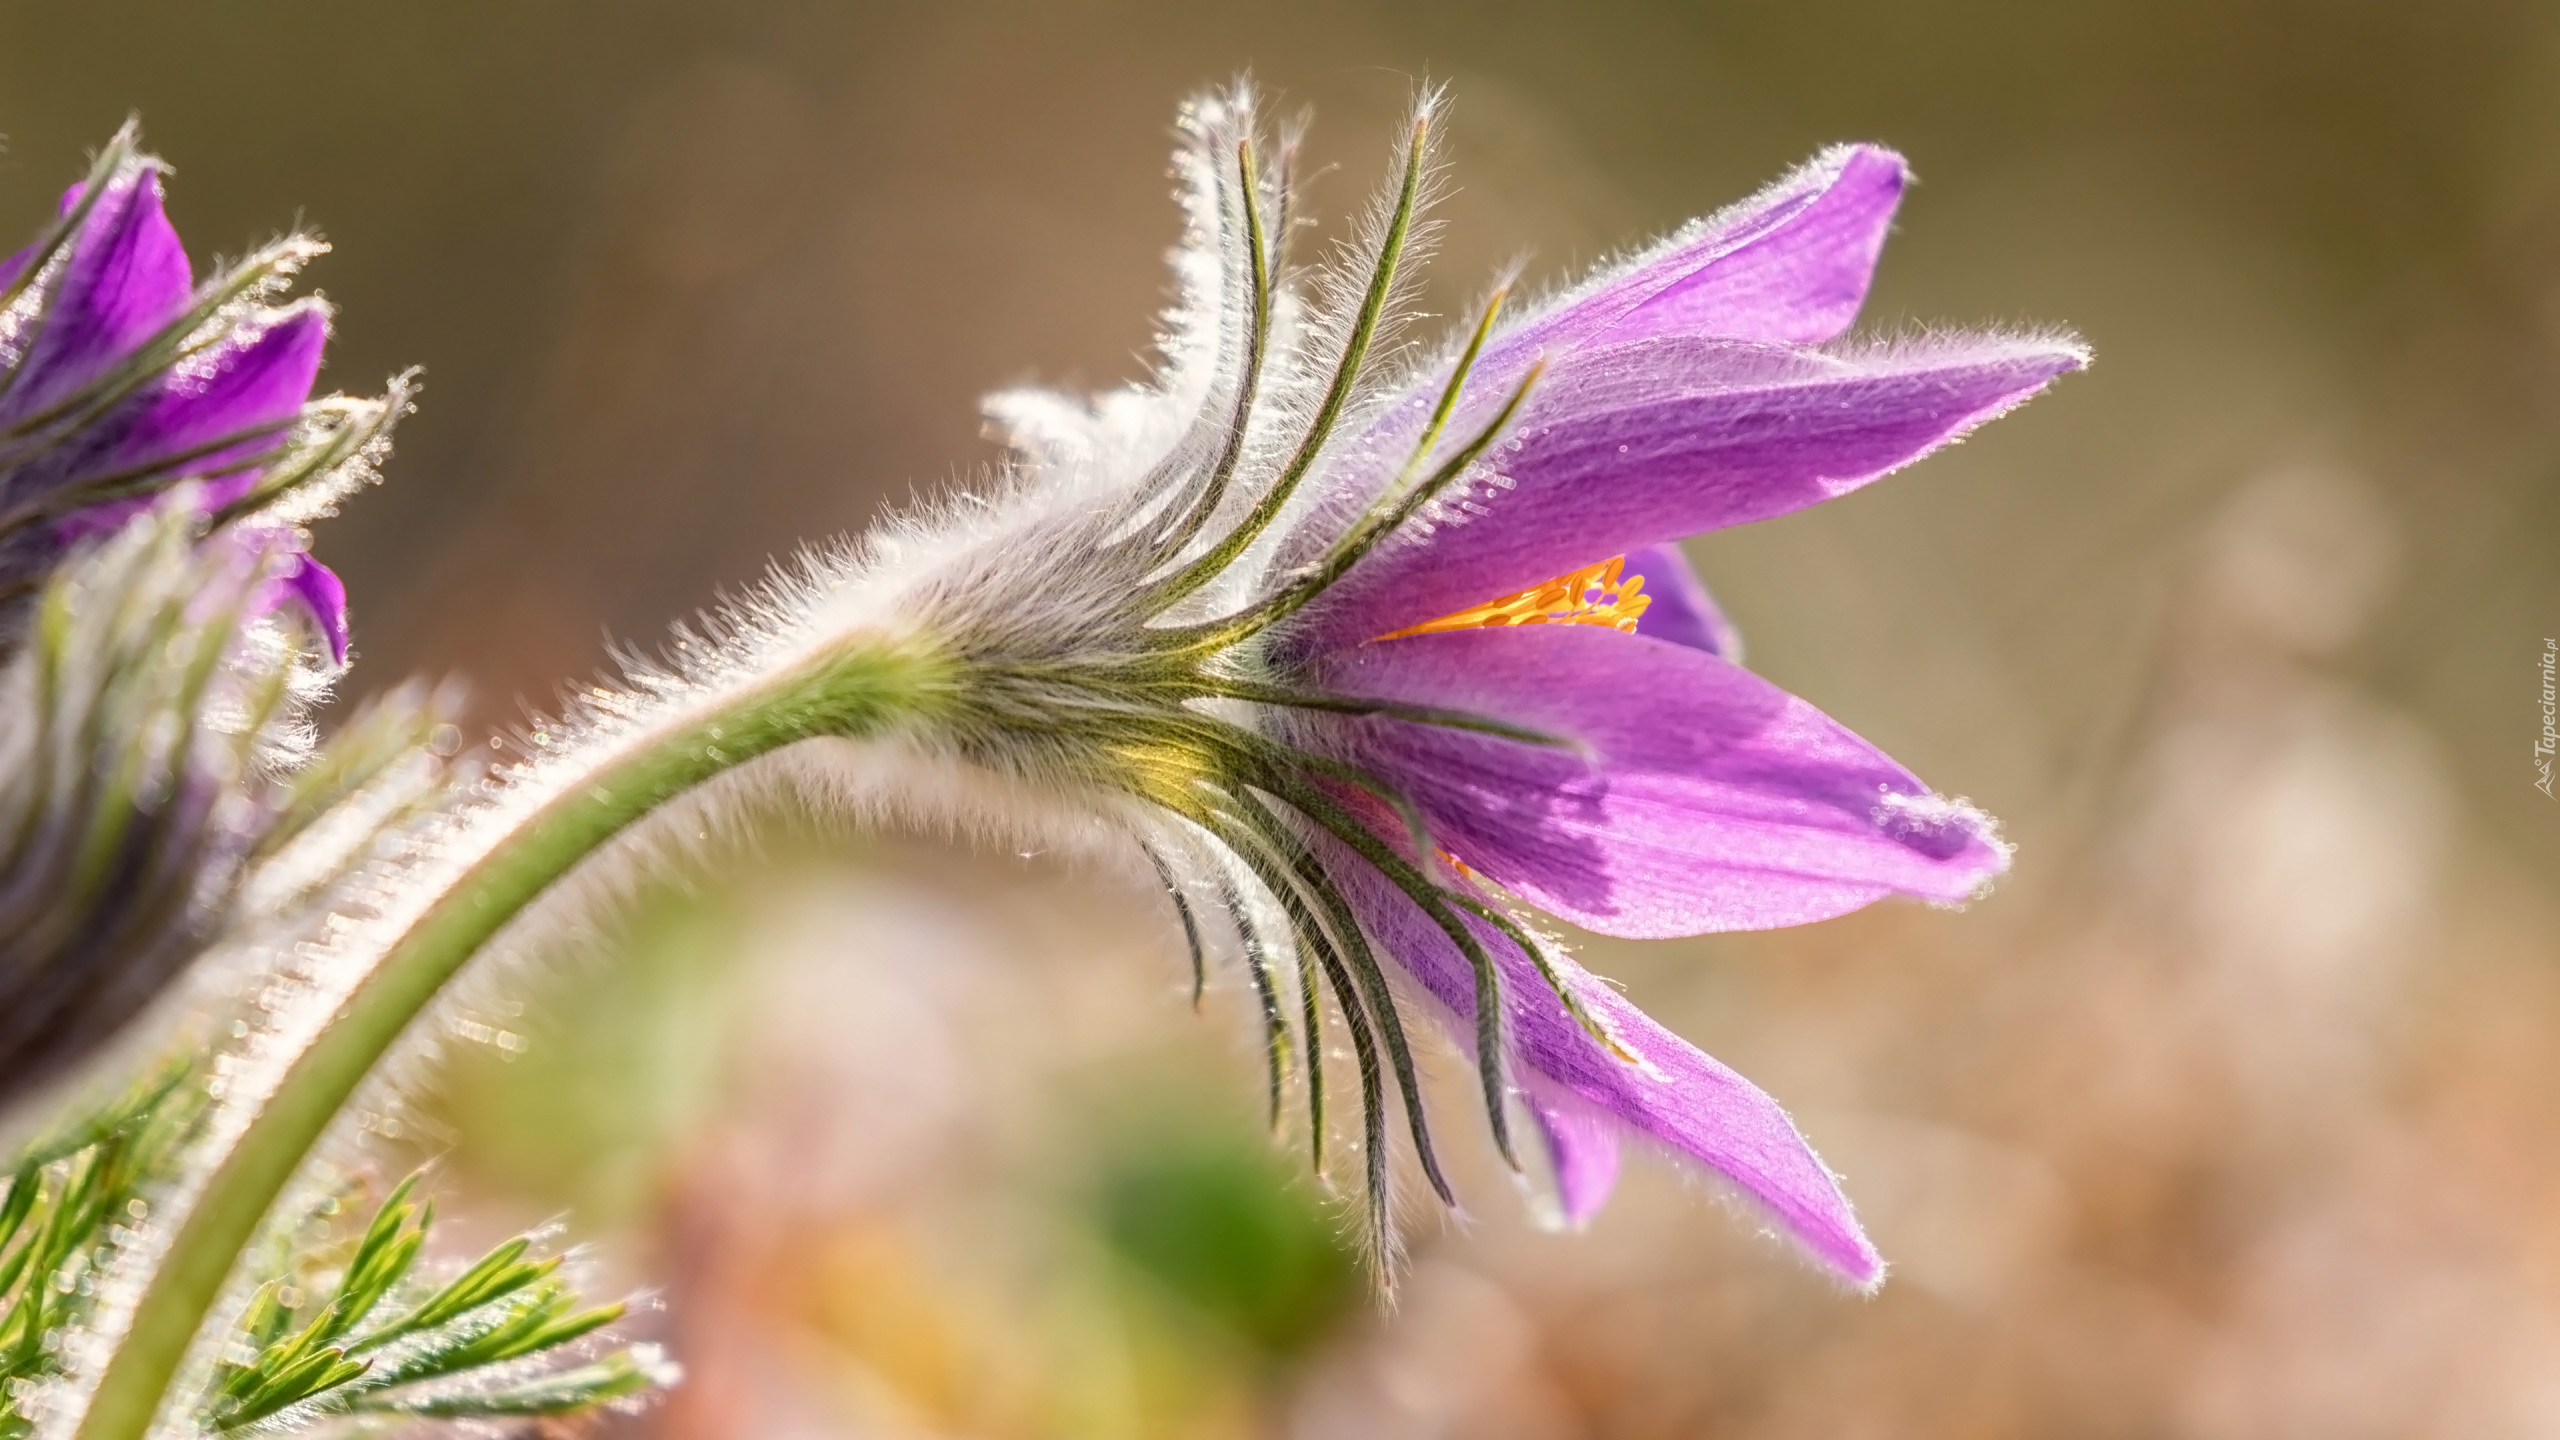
(253, 384)
(1791, 264)
(126, 278)
(1678, 1095)
(1682, 611)
(1582, 1148)
(1649, 441)
(321, 594)
(1715, 801)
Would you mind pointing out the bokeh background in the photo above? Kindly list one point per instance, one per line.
(2235, 1112)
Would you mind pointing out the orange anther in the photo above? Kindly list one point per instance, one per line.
(1592, 595)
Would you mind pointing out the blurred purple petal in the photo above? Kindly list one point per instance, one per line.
(126, 277)
(1653, 440)
(1582, 1149)
(321, 595)
(252, 384)
(103, 424)
(1716, 800)
(1682, 611)
(1678, 1095)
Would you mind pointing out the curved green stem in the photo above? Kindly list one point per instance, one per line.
(858, 689)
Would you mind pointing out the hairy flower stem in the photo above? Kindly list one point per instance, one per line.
(859, 689)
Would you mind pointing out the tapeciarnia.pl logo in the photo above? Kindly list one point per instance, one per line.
(2543, 747)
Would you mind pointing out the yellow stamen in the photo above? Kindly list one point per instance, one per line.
(1592, 595)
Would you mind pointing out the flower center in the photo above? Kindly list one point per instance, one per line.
(1592, 595)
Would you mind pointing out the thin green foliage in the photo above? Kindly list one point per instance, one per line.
(67, 1193)
(371, 1334)
(381, 1337)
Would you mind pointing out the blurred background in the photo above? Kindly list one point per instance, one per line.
(2234, 1112)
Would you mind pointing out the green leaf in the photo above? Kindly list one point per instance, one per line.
(500, 1273)
(503, 1310)
(612, 1378)
(65, 1194)
(311, 1375)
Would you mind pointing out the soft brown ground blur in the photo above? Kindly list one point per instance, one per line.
(2234, 1113)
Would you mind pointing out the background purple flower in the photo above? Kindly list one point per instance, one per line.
(159, 455)
(120, 377)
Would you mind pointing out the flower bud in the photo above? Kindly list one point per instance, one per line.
(139, 724)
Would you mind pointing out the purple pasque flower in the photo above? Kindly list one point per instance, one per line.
(1395, 650)
(159, 456)
(120, 378)
(1682, 391)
